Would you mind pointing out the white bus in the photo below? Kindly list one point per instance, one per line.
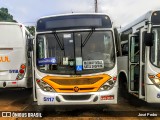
(75, 60)
(15, 58)
(139, 65)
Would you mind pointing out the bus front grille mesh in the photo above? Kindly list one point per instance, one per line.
(76, 81)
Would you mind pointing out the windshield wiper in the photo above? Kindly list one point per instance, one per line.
(88, 37)
(58, 41)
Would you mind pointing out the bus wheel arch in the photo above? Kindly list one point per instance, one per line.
(122, 77)
(123, 84)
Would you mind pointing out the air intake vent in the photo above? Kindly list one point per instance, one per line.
(77, 81)
(76, 97)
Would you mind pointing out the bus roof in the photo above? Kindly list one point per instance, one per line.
(145, 17)
(73, 14)
(15, 23)
(10, 23)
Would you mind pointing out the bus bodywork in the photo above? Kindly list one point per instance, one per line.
(75, 60)
(141, 75)
(15, 65)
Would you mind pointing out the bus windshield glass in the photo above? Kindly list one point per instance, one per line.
(155, 49)
(75, 52)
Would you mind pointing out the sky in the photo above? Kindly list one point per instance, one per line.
(121, 12)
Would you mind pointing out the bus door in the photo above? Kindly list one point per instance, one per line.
(29, 43)
(33, 72)
(142, 64)
(134, 66)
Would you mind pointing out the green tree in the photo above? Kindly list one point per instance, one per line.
(31, 29)
(5, 16)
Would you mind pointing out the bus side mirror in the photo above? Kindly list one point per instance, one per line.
(148, 39)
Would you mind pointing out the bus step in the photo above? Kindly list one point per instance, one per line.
(135, 94)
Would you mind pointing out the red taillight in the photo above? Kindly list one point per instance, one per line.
(21, 71)
(14, 82)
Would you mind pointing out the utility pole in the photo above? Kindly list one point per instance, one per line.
(96, 6)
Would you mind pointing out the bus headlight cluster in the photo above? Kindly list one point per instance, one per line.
(155, 79)
(44, 86)
(21, 72)
(108, 85)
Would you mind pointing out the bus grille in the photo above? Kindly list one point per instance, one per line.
(76, 97)
(76, 81)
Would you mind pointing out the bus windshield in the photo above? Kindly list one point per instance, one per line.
(75, 52)
(155, 49)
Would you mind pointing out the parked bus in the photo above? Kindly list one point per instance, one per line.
(15, 57)
(75, 60)
(139, 65)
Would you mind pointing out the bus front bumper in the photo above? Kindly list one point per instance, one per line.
(152, 94)
(101, 97)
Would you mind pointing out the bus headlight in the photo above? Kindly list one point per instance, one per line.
(108, 85)
(155, 79)
(44, 86)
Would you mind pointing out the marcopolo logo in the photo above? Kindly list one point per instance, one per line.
(76, 89)
(4, 59)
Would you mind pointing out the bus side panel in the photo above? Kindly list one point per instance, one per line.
(121, 66)
(153, 94)
(152, 91)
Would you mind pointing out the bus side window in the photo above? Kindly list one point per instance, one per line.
(125, 49)
(134, 49)
(29, 43)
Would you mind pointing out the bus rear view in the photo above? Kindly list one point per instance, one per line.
(13, 61)
(75, 60)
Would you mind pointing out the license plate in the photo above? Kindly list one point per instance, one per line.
(107, 97)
